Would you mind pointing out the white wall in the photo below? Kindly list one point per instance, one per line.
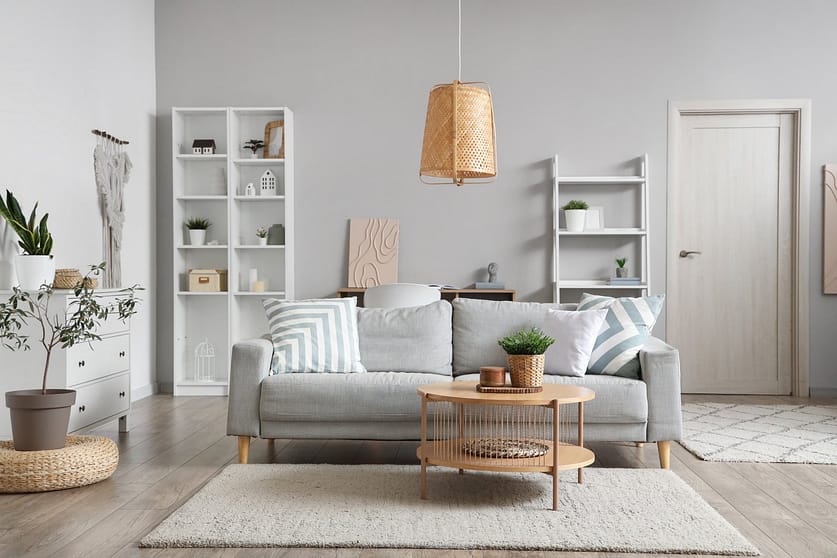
(587, 79)
(66, 68)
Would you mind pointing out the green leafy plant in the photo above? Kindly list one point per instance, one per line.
(530, 341)
(621, 262)
(78, 324)
(35, 239)
(575, 204)
(197, 223)
(254, 145)
(261, 232)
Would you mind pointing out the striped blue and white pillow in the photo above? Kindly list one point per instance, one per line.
(626, 329)
(314, 335)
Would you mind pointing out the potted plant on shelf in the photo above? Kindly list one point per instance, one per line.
(261, 236)
(621, 270)
(36, 266)
(254, 145)
(197, 230)
(525, 350)
(575, 212)
(40, 416)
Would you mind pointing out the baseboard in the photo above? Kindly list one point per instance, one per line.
(144, 391)
(825, 393)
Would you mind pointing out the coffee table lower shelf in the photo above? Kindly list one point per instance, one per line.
(449, 453)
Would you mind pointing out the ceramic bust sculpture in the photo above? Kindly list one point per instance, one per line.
(492, 272)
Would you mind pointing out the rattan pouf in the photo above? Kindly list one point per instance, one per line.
(84, 460)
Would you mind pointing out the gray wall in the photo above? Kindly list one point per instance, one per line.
(589, 80)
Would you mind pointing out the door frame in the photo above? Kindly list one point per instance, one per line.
(800, 109)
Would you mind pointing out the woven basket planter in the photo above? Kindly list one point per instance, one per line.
(84, 460)
(526, 370)
(71, 278)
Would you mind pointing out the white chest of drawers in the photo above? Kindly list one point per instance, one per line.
(100, 372)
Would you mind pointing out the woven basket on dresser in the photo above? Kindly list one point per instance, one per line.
(526, 370)
(70, 278)
(84, 460)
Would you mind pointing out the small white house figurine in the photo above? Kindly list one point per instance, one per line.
(250, 190)
(268, 184)
(203, 147)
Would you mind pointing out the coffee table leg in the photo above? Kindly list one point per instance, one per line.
(423, 484)
(580, 436)
(461, 427)
(555, 461)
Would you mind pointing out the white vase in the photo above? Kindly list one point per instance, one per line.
(575, 219)
(262, 240)
(34, 271)
(197, 237)
(254, 155)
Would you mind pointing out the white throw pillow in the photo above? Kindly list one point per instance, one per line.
(314, 335)
(575, 335)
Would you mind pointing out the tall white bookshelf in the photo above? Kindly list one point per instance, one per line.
(213, 186)
(584, 261)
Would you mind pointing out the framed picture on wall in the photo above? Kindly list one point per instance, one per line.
(274, 140)
(594, 219)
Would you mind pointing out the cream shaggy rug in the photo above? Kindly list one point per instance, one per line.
(761, 433)
(378, 506)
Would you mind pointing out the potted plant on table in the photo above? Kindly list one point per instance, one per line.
(36, 266)
(254, 145)
(575, 213)
(197, 230)
(621, 270)
(40, 416)
(525, 350)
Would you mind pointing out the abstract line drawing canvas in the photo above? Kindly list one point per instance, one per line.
(373, 252)
(829, 230)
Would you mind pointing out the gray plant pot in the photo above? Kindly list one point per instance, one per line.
(40, 421)
(621, 271)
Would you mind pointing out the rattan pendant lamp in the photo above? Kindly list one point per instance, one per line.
(459, 139)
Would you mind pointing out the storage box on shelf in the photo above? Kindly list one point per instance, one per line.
(215, 186)
(585, 261)
(100, 372)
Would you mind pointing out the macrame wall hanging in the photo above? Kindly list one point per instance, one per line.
(112, 168)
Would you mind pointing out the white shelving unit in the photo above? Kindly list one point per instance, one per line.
(212, 186)
(605, 242)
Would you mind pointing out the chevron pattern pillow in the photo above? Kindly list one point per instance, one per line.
(314, 335)
(626, 328)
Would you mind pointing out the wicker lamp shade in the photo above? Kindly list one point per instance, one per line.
(459, 138)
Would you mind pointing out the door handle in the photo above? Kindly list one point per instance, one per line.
(687, 253)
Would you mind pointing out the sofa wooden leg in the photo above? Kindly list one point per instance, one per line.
(664, 449)
(639, 444)
(243, 449)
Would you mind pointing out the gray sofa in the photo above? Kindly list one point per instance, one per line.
(408, 347)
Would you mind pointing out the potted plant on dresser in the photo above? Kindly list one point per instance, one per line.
(525, 350)
(36, 265)
(40, 417)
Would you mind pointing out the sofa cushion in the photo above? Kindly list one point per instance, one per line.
(575, 335)
(374, 396)
(478, 324)
(314, 335)
(618, 400)
(415, 339)
(626, 329)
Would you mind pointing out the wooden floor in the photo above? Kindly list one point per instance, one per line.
(177, 445)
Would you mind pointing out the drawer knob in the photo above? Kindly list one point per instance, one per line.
(81, 409)
(80, 363)
(121, 394)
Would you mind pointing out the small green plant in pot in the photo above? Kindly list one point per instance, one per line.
(36, 265)
(197, 230)
(621, 270)
(575, 213)
(525, 350)
(254, 145)
(40, 416)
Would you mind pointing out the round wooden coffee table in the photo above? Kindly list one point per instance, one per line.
(511, 432)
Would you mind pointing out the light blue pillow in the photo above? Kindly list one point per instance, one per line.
(625, 330)
(314, 335)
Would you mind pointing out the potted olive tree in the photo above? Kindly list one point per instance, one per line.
(525, 350)
(197, 230)
(36, 265)
(575, 213)
(40, 416)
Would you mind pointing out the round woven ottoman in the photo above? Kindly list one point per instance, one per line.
(84, 460)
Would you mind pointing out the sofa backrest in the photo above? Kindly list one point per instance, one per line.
(478, 324)
(416, 339)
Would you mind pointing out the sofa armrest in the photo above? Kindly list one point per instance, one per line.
(250, 365)
(661, 372)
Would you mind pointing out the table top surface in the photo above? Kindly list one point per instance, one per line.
(466, 392)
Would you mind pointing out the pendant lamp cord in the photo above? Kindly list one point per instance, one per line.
(459, 73)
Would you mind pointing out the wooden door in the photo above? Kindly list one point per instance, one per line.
(730, 264)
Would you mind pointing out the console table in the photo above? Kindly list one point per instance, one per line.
(447, 294)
